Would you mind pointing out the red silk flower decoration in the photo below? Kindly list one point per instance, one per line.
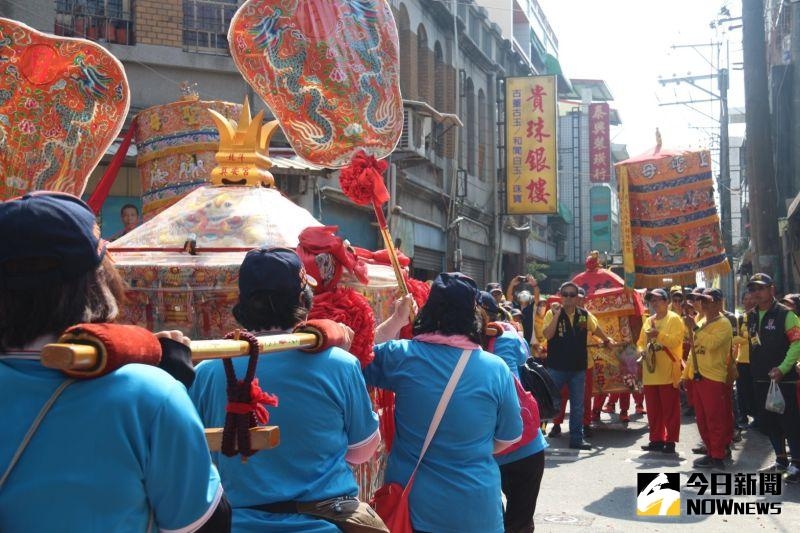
(362, 180)
(420, 291)
(346, 306)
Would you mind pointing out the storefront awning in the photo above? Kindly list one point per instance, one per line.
(287, 162)
(552, 66)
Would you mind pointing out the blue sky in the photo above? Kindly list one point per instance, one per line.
(629, 44)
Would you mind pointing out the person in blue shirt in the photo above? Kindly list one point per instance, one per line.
(124, 452)
(324, 413)
(521, 470)
(457, 486)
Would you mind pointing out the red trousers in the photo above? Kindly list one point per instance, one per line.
(624, 399)
(713, 411)
(663, 412)
(587, 400)
(689, 387)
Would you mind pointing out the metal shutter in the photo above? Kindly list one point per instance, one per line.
(427, 259)
(474, 268)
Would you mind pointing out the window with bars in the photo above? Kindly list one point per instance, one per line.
(99, 20)
(205, 24)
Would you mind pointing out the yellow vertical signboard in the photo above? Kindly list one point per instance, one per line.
(531, 145)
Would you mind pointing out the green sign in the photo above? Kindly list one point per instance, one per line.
(600, 217)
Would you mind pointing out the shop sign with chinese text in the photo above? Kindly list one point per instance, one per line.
(599, 144)
(531, 145)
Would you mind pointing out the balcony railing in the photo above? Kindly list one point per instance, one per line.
(95, 27)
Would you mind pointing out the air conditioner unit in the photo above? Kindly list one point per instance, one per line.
(416, 135)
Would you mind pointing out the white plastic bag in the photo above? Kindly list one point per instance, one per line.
(775, 401)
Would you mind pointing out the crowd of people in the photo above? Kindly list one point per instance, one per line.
(127, 451)
(697, 359)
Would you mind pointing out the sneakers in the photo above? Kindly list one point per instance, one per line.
(700, 449)
(583, 445)
(669, 447)
(708, 462)
(777, 466)
(792, 474)
(555, 431)
(655, 446)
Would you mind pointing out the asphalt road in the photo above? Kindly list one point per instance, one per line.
(596, 490)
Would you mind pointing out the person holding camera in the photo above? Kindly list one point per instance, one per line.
(525, 301)
(567, 329)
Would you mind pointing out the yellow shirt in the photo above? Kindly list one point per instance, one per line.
(670, 335)
(712, 349)
(742, 343)
(538, 328)
(590, 327)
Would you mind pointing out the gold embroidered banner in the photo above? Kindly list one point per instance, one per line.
(668, 216)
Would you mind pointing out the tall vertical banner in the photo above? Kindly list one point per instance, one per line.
(599, 144)
(531, 145)
(668, 218)
(600, 212)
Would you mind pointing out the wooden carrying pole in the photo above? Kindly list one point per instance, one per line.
(72, 356)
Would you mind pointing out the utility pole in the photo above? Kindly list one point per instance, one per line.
(760, 170)
(724, 164)
(724, 181)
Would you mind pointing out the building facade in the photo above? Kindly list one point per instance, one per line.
(446, 175)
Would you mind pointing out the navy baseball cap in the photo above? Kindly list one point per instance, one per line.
(712, 294)
(455, 290)
(695, 293)
(488, 302)
(494, 286)
(760, 279)
(273, 269)
(568, 284)
(55, 234)
(660, 293)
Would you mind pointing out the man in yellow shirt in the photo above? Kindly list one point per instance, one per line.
(710, 368)
(744, 382)
(567, 328)
(661, 342)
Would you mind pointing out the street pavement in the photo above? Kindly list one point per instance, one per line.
(596, 490)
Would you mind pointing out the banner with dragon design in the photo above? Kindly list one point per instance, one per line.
(62, 103)
(329, 71)
(670, 226)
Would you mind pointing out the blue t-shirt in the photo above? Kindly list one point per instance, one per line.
(323, 407)
(457, 487)
(513, 349)
(109, 451)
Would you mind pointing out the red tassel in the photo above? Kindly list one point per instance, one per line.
(362, 180)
